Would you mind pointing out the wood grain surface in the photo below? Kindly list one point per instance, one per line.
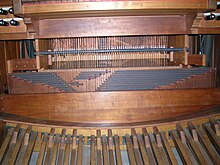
(111, 107)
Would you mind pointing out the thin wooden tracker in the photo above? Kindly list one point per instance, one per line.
(5, 143)
(54, 150)
(148, 147)
(73, 152)
(165, 157)
(61, 147)
(42, 149)
(67, 150)
(104, 150)
(200, 157)
(110, 147)
(136, 147)
(30, 148)
(23, 138)
(99, 147)
(92, 151)
(213, 137)
(117, 150)
(12, 144)
(184, 154)
(49, 147)
(130, 150)
(80, 151)
(204, 140)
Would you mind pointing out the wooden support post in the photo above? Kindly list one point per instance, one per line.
(2, 126)
(17, 7)
(186, 54)
(37, 54)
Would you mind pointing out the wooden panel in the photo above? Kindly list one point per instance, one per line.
(19, 86)
(119, 5)
(217, 58)
(13, 29)
(15, 36)
(2, 125)
(206, 80)
(5, 3)
(112, 107)
(2, 68)
(110, 26)
(9, 50)
(21, 64)
(196, 59)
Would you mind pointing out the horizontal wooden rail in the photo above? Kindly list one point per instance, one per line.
(111, 107)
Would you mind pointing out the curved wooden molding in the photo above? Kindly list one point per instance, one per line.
(112, 107)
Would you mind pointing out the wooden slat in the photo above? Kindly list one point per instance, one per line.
(143, 150)
(203, 138)
(12, 144)
(61, 147)
(145, 107)
(42, 149)
(80, 151)
(200, 156)
(99, 147)
(29, 150)
(136, 147)
(165, 157)
(130, 150)
(67, 150)
(54, 150)
(156, 150)
(17, 146)
(184, 154)
(117, 150)
(215, 126)
(182, 135)
(168, 149)
(213, 137)
(92, 151)
(49, 147)
(104, 150)
(110, 147)
(73, 152)
(148, 147)
(194, 146)
(6, 143)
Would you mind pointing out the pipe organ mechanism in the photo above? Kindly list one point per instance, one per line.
(109, 82)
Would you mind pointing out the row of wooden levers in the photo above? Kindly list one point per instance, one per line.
(190, 145)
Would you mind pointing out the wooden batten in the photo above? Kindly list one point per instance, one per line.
(112, 107)
(114, 26)
(106, 8)
(5, 3)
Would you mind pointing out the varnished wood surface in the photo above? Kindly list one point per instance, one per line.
(5, 3)
(165, 123)
(217, 59)
(132, 143)
(9, 50)
(114, 26)
(118, 5)
(2, 124)
(111, 107)
(15, 36)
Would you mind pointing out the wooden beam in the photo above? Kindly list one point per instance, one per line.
(114, 26)
(112, 107)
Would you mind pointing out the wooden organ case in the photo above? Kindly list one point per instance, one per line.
(109, 82)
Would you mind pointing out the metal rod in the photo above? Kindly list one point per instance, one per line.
(114, 50)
